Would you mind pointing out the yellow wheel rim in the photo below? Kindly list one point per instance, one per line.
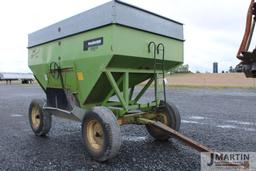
(95, 136)
(35, 117)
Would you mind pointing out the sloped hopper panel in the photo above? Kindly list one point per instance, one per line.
(98, 93)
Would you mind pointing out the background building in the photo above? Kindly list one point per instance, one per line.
(25, 78)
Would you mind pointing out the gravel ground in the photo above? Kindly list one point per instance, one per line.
(222, 119)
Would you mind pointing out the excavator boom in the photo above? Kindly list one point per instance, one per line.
(248, 58)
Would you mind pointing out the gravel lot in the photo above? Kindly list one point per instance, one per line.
(222, 119)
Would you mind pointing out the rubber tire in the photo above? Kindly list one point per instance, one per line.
(111, 131)
(45, 118)
(173, 121)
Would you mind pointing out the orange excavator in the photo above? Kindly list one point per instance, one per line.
(247, 57)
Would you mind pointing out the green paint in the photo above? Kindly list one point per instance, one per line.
(117, 91)
(123, 54)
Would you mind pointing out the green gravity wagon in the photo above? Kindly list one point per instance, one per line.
(89, 66)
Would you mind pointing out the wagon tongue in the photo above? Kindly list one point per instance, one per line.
(188, 141)
(199, 147)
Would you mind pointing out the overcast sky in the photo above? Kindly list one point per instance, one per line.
(213, 28)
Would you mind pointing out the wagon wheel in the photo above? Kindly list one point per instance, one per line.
(40, 121)
(170, 116)
(101, 134)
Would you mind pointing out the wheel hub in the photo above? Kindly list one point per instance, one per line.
(35, 117)
(95, 135)
(162, 118)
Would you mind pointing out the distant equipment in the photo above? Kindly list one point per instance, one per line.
(215, 67)
(25, 78)
(182, 69)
